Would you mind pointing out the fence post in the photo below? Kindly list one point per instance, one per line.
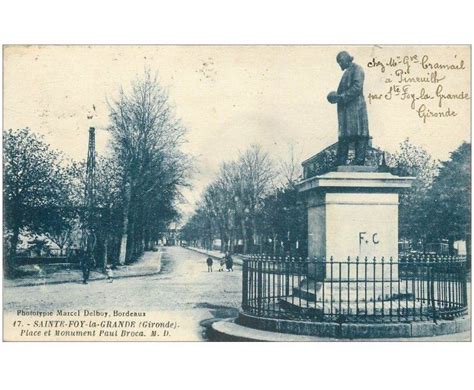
(287, 279)
(432, 287)
(245, 272)
(259, 286)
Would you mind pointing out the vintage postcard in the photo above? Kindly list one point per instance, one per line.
(237, 193)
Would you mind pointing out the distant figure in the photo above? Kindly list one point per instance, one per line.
(110, 273)
(229, 263)
(209, 264)
(85, 266)
(351, 111)
(222, 264)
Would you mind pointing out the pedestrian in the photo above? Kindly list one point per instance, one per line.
(209, 264)
(85, 266)
(110, 273)
(229, 263)
(221, 264)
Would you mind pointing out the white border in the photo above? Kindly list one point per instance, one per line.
(190, 366)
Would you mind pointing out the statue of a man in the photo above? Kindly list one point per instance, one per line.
(351, 111)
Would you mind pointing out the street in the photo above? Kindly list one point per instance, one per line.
(183, 289)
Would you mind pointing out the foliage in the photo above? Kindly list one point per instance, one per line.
(136, 187)
(450, 200)
(35, 186)
(414, 210)
(243, 205)
(146, 143)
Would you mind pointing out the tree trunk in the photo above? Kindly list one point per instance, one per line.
(132, 233)
(14, 240)
(254, 234)
(9, 259)
(124, 239)
(147, 240)
(468, 250)
(451, 245)
(221, 236)
(210, 238)
(115, 248)
(244, 236)
(130, 242)
(106, 244)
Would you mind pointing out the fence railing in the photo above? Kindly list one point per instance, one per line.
(54, 256)
(413, 288)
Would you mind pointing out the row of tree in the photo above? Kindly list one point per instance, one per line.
(250, 206)
(244, 205)
(438, 206)
(137, 184)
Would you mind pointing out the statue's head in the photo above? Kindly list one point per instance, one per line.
(344, 59)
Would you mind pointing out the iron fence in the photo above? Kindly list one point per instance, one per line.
(53, 256)
(413, 288)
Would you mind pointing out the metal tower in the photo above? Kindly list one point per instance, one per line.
(88, 224)
(90, 178)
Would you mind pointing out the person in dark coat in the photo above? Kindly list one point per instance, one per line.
(351, 111)
(209, 264)
(229, 263)
(85, 266)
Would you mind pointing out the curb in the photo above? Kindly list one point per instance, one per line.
(227, 330)
(348, 331)
(230, 331)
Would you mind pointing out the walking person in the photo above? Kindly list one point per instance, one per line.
(85, 267)
(110, 273)
(209, 264)
(222, 264)
(229, 263)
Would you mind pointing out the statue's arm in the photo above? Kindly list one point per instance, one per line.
(355, 88)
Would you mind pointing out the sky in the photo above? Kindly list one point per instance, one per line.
(229, 97)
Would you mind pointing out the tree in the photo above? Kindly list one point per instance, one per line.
(414, 211)
(256, 178)
(34, 183)
(217, 210)
(232, 205)
(146, 141)
(108, 196)
(192, 231)
(63, 221)
(450, 198)
(285, 221)
(290, 169)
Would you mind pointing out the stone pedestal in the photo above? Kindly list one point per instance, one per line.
(353, 212)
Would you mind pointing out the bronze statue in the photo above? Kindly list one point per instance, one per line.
(351, 111)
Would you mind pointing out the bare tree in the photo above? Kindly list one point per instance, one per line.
(290, 169)
(257, 176)
(146, 139)
(234, 201)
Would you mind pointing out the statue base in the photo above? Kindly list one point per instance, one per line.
(356, 168)
(353, 212)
